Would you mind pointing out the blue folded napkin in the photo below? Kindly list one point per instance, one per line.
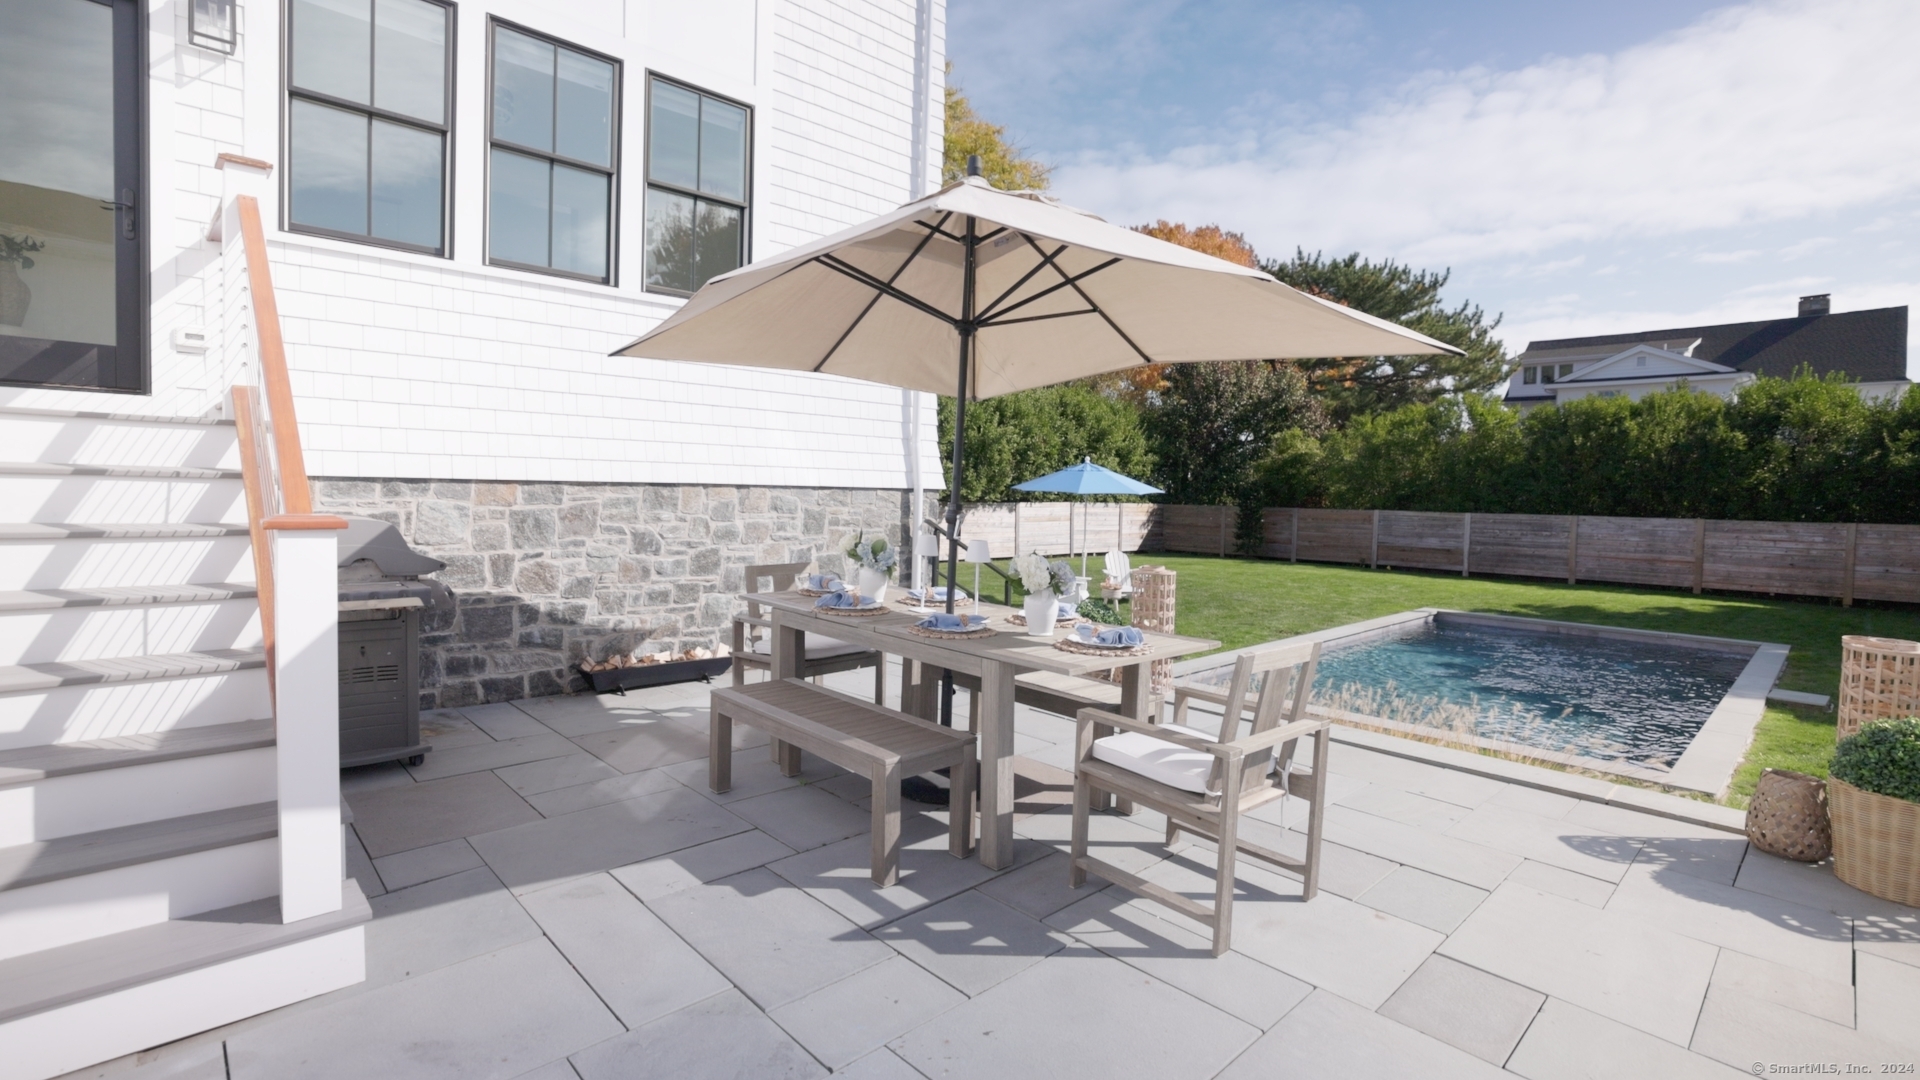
(1117, 635)
(823, 581)
(846, 598)
(1067, 611)
(944, 621)
(937, 593)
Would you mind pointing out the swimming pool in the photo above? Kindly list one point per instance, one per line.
(1631, 698)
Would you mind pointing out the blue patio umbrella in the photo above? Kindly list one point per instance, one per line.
(1087, 478)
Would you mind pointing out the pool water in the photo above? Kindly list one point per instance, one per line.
(1616, 699)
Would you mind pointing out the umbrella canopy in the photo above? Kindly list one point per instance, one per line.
(1087, 478)
(1016, 288)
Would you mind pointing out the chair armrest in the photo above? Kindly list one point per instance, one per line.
(1127, 723)
(1283, 733)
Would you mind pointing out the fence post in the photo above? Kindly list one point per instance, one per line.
(1293, 542)
(1224, 518)
(1373, 551)
(1573, 547)
(1853, 542)
(1466, 545)
(1699, 553)
(1017, 549)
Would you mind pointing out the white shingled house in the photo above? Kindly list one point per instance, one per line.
(420, 226)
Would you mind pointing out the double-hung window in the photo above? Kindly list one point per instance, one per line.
(696, 187)
(369, 96)
(550, 167)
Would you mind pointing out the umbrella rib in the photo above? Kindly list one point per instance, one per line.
(1024, 278)
(1038, 318)
(1074, 282)
(1069, 283)
(886, 288)
(860, 318)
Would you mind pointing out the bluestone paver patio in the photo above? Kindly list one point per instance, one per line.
(557, 896)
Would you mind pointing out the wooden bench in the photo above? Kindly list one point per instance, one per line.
(1062, 695)
(884, 744)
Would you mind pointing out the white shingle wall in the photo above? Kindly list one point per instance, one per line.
(410, 366)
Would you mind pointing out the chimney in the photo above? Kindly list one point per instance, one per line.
(1816, 305)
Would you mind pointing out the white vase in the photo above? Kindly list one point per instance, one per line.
(871, 583)
(1041, 609)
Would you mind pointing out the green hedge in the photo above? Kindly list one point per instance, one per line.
(1802, 449)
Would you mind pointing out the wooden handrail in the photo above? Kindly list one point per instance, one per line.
(253, 470)
(295, 495)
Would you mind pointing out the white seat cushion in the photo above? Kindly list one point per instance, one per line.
(1157, 759)
(819, 647)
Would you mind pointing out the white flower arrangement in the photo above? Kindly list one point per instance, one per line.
(1037, 574)
(875, 554)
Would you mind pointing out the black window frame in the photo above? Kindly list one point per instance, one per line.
(745, 205)
(611, 170)
(288, 92)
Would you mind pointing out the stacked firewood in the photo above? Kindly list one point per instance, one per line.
(698, 652)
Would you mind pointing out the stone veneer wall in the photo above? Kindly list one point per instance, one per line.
(550, 574)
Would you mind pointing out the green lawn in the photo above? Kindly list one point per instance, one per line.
(1246, 601)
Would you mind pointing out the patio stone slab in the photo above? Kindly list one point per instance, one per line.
(1077, 1014)
(1590, 891)
(197, 1057)
(585, 714)
(1806, 939)
(1465, 1007)
(1447, 785)
(882, 1064)
(1132, 931)
(440, 923)
(1895, 938)
(1327, 1036)
(495, 1016)
(359, 867)
(1434, 902)
(373, 777)
(1749, 975)
(446, 729)
(553, 849)
(1548, 804)
(776, 943)
(1567, 845)
(410, 868)
(638, 966)
(1740, 1030)
(552, 1070)
(1814, 885)
(756, 774)
(1567, 1042)
(569, 770)
(846, 1020)
(398, 819)
(1039, 888)
(700, 864)
(490, 755)
(840, 875)
(504, 720)
(1110, 838)
(645, 742)
(1616, 965)
(721, 1036)
(1406, 808)
(1437, 853)
(971, 941)
(1889, 1000)
(803, 818)
(617, 788)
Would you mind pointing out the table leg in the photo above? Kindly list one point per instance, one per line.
(788, 646)
(995, 741)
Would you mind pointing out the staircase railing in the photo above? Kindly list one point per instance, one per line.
(294, 559)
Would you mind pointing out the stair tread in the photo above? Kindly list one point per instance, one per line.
(168, 472)
(139, 418)
(18, 678)
(126, 845)
(37, 982)
(15, 600)
(32, 763)
(33, 530)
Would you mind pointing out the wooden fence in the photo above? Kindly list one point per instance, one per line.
(1057, 528)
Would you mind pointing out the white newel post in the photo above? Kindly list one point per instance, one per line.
(306, 656)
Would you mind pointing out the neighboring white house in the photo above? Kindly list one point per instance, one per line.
(468, 206)
(1869, 347)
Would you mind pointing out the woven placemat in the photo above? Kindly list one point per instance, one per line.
(814, 592)
(929, 632)
(1019, 618)
(932, 604)
(854, 613)
(1074, 645)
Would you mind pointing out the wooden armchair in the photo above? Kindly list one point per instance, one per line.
(753, 637)
(1203, 781)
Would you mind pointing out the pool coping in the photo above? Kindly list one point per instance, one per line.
(1711, 757)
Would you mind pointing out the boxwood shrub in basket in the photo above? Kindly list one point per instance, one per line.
(1883, 757)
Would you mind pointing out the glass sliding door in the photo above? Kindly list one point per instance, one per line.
(72, 279)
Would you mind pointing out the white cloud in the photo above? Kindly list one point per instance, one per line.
(1711, 257)
(1761, 113)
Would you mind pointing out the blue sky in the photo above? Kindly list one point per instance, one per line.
(1582, 167)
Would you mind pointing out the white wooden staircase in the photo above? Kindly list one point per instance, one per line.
(164, 829)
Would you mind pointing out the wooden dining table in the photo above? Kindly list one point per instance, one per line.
(995, 660)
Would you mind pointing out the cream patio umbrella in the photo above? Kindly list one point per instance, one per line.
(978, 292)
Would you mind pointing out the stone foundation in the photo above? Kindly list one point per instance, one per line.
(551, 574)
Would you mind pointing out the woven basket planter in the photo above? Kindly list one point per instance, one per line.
(1788, 816)
(1876, 842)
(1878, 677)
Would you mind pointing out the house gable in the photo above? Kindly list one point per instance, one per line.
(1645, 362)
